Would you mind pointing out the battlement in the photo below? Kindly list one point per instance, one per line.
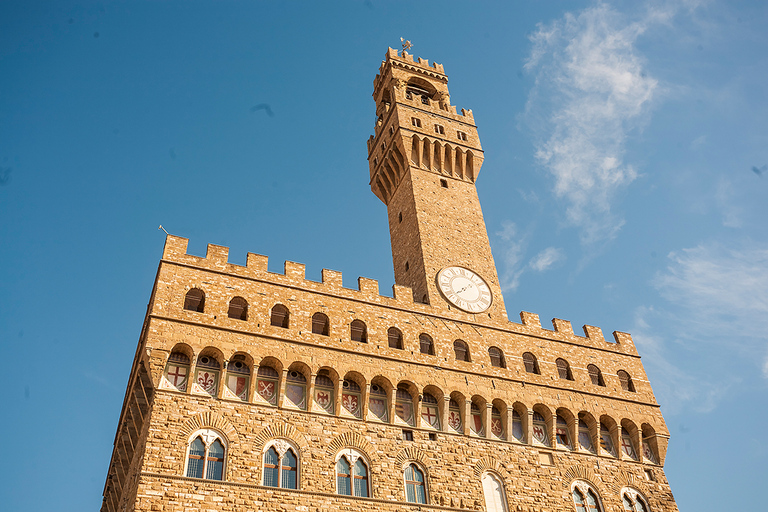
(407, 58)
(294, 275)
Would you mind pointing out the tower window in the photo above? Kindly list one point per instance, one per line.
(352, 474)
(461, 135)
(415, 121)
(391, 130)
(400, 217)
(281, 466)
(444, 183)
(497, 357)
(563, 369)
(425, 100)
(280, 316)
(395, 338)
(439, 129)
(238, 309)
(205, 458)
(407, 435)
(358, 331)
(626, 381)
(320, 324)
(595, 375)
(425, 345)
(531, 364)
(195, 300)
(460, 350)
(414, 485)
(406, 266)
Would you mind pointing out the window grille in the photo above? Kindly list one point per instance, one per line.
(563, 369)
(595, 375)
(395, 338)
(626, 381)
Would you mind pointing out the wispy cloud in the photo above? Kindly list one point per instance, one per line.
(591, 91)
(514, 245)
(546, 258)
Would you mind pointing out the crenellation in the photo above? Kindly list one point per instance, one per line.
(593, 333)
(257, 262)
(563, 326)
(295, 272)
(332, 279)
(369, 287)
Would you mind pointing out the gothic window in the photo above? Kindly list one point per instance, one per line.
(595, 375)
(626, 381)
(238, 309)
(585, 498)
(461, 350)
(266, 384)
(404, 405)
(606, 441)
(517, 426)
(425, 344)
(296, 389)
(585, 440)
(324, 391)
(320, 324)
(633, 501)
(415, 121)
(281, 465)
(350, 398)
(377, 403)
(430, 415)
(358, 331)
(352, 474)
(439, 129)
(280, 316)
(461, 135)
(415, 488)
(476, 426)
(395, 338)
(238, 377)
(627, 446)
(207, 375)
(195, 300)
(176, 372)
(563, 369)
(497, 357)
(497, 423)
(205, 457)
(540, 429)
(561, 432)
(493, 491)
(531, 364)
(454, 416)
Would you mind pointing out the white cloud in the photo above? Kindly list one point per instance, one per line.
(731, 211)
(546, 259)
(591, 91)
(511, 256)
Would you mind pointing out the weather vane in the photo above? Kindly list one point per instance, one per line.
(407, 45)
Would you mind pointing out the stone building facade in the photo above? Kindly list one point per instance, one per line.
(257, 391)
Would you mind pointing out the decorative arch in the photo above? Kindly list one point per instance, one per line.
(285, 431)
(208, 420)
(350, 440)
(412, 454)
(490, 464)
(586, 474)
(623, 478)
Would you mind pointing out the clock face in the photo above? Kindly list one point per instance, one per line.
(464, 289)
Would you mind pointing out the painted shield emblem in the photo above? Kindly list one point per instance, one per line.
(607, 444)
(323, 399)
(648, 453)
(238, 386)
(176, 377)
(562, 436)
(378, 407)
(429, 415)
(538, 433)
(404, 411)
(496, 428)
(207, 381)
(352, 404)
(585, 440)
(478, 422)
(454, 420)
(626, 446)
(296, 395)
(267, 390)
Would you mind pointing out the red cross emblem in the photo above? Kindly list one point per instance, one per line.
(626, 445)
(429, 415)
(177, 375)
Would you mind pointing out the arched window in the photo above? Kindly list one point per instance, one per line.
(350, 398)
(358, 331)
(429, 411)
(296, 389)
(238, 309)
(425, 344)
(195, 300)
(633, 501)
(281, 465)
(176, 372)
(325, 392)
(497, 357)
(561, 432)
(454, 416)
(415, 488)
(540, 429)
(627, 446)
(320, 324)
(493, 491)
(517, 426)
(267, 384)
(585, 439)
(531, 364)
(404, 405)
(626, 381)
(461, 350)
(497, 423)
(648, 451)
(395, 338)
(585, 498)
(207, 375)
(563, 369)
(352, 474)
(280, 316)
(476, 426)
(238, 377)
(595, 375)
(377, 403)
(205, 457)
(606, 441)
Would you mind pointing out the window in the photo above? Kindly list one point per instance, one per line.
(444, 183)
(497, 357)
(195, 300)
(633, 501)
(648, 451)
(627, 446)
(476, 426)
(626, 381)
(407, 435)
(408, 95)
(205, 457)
(606, 441)
(395, 338)
(320, 324)
(540, 429)
(391, 130)
(493, 491)
(377, 403)
(425, 344)
(563, 369)
(561, 432)
(296, 389)
(595, 375)
(454, 416)
(358, 331)
(531, 364)
(324, 391)
(238, 377)
(207, 375)
(430, 415)
(407, 266)
(238, 309)
(461, 135)
(351, 474)
(497, 423)
(415, 491)
(585, 439)
(585, 498)
(404, 405)
(415, 121)
(280, 316)
(281, 465)
(266, 384)
(176, 372)
(425, 100)
(439, 129)
(350, 398)
(517, 426)
(461, 350)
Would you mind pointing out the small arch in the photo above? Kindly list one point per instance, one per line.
(207, 372)
(587, 432)
(426, 346)
(519, 421)
(176, 374)
(650, 444)
(499, 419)
(608, 442)
(325, 390)
(497, 357)
(395, 338)
(280, 316)
(461, 351)
(404, 403)
(626, 381)
(194, 300)
(320, 324)
(456, 412)
(379, 398)
(531, 363)
(595, 375)
(296, 381)
(358, 331)
(431, 407)
(238, 378)
(542, 420)
(564, 421)
(268, 381)
(238, 308)
(352, 395)
(629, 433)
(563, 369)
(477, 412)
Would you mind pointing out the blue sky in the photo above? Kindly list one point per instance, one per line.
(624, 185)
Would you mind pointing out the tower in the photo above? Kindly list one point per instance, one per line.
(255, 390)
(424, 159)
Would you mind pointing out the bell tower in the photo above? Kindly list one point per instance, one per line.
(424, 160)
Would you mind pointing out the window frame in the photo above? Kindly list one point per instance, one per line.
(208, 436)
(281, 446)
(497, 477)
(414, 483)
(634, 496)
(352, 456)
(585, 488)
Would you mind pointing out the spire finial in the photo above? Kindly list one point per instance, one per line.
(407, 45)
